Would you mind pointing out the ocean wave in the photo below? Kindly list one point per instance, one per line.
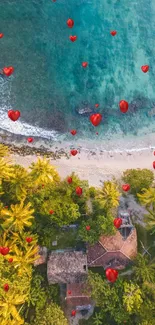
(21, 128)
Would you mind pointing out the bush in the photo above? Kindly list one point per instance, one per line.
(138, 179)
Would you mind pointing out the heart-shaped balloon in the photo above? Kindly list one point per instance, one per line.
(5, 250)
(1, 35)
(6, 287)
(51, 211)
(73, 313)
(87, 228)
(8, 71)
(145, 68)
(70, 23)
(73, 38)
(117, 222)
(30, 140)
(126, 187)
(79, 191)
(96, 119)
(69, 292)
(29, 239)
(10, 260)
(153, 164)
(113, 32)
(111, 275)
(73, 152)
(84, 64)
(69, 180)
(96, 105)
(13, 115)
(123, 106)
(73, 132)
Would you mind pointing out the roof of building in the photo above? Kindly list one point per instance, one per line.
(78, 295)
(113, 251)
(67, 267)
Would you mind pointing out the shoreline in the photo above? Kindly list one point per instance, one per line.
(96, 167)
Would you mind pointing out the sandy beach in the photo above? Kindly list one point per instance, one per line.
(95, 167)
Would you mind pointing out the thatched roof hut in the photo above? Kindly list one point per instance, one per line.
(77, 294)
(66, 267)
(113, 251)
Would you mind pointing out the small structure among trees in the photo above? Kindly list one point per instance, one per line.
(67, 267)
(115, 251)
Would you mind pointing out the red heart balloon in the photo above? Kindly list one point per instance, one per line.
(30, 140)
(126, 187)
(84, 64)
(111, 275)
(154, 164)
(123, 106)
(1, 35)
(96, 119)
(73, 38)
(73, 313)
(154, 153)
(70, 23)
(79, 191)
(117, 222)
(6, 287)
(73, 152)
(10, 260)
(87, 228)
(69, 180)
(96, 133)
(8, 71)
(5, 250)
(73, 132)
(145, 68)
(69, 292)
(29, 239)
(96, 105)
(13, 115)
(51, 211)
(113, 32)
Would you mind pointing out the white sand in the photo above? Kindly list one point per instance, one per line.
(96, 168)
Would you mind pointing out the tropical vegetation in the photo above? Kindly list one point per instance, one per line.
(36, 209)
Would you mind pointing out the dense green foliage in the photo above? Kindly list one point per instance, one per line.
(138, 179)
(37, 204)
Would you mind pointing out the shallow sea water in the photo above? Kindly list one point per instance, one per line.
(49, 85)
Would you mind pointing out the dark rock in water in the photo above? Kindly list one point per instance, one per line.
(85, 111)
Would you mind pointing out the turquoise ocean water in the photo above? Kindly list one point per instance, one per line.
(49, 85)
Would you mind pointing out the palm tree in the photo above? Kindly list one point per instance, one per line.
(23, 259)
(8, 307)
(18, 217)
(3, 150)
(19, 183)
(6, 170)
(109, 195)
(42, 172)
(144, 270)
(148, 199)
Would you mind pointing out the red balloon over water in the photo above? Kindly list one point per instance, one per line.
(73, 132)
(117, 222)
(8, 71)
(13, 115)
(96, 119)
(145, 68)
(1, 35)
(84, 64)
(123, 106)
(113, 32)
(30, 140)
(70, 23)
(111, 275)
(73, 38)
